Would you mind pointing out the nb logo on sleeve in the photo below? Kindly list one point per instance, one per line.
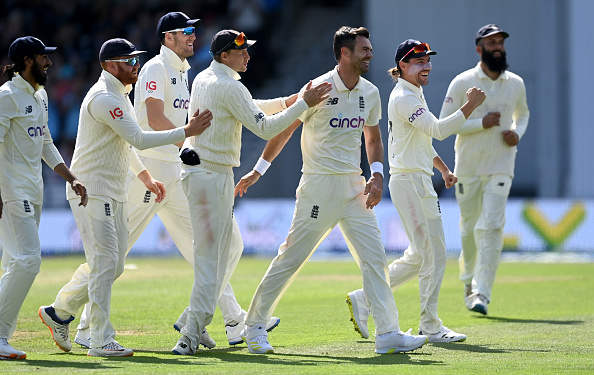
(116, 113)
(28, 109)
(259, 117)
(332, 101)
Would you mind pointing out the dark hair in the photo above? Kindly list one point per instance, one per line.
(346, 37)
(396, 72)
(17, 67)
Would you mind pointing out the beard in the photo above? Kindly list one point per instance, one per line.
(38, 74)
(495, 64)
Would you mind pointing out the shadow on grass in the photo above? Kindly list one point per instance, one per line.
(524, 321)
(482, 348)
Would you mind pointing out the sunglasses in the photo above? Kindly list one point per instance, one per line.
(131, 61)
(417, 49)
(186, 30)
(239, 41)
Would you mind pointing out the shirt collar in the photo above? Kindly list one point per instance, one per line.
(20, 82)
(338, 84)
(174, 60)
(116, 83)
(404, 83)
(225, 69)
(483, 75)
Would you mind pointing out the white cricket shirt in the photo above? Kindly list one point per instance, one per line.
(479, 151)
(107, 127)
(331, 135)
(164, 77)
(24, 140)
(411, 129)
(217, 88)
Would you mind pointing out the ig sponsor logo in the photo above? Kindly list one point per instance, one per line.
(116, 113)
(151, 86)
(416, 114)
(340, 122)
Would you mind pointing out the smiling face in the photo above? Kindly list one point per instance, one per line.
(182, 45)
(127, 74)
(416, 70)
(39, 68)
(492, 51)
(236, 59)
(361, 55)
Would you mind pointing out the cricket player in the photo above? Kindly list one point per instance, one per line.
(411, 129)
(207, 170)
(102, 156)
(162, 97)
(486, 147)
(25, 139)
(333, 192)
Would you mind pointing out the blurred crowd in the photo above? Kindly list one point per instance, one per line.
(78, 29)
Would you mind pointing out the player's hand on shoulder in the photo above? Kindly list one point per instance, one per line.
(510, 137)
(316, 94)
(198, 123)
(246, 181)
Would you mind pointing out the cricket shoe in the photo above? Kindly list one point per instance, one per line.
(206, 340)
(234, 332)
(468, 296)
(183, 347)
(8, 352)
(398, 342)
(359, 312)
(479, 304)
(112, 349)
(256, 339)
(83, 338)
(58, 327)
(445, 335)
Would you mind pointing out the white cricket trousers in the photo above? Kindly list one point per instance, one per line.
(103, 228)
(324, 201)
(21, 259)
(175, 215)
(217, 246)
(417, 204)
(482, 201)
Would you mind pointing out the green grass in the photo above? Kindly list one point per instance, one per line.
(541, 321)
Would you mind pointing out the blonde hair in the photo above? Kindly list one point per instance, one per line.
(394, 73)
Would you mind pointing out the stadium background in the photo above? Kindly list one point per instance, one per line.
(553, 190)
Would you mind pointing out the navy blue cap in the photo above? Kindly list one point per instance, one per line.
(223, 40)
(27, 46)
(489, 30)
(175, 20)
(117, 47)
(406, 46)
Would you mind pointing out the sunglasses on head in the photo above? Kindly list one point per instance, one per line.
(239, 41)
(186, 30)
(131, 61)
(417, 49)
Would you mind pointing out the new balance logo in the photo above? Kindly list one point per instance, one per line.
(173, 81)
(332, 101)
(461, 188)
(28, 109)
(501, 184)
(183, 345)
(107, 209)
(259, 116)
(26, 206)
(147, 197)
(315, 211)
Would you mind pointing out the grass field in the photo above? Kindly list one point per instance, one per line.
(541, 321)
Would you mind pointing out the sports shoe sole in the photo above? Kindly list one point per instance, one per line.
(13, 357)
(84, 343)
(399, 349)
(92, 353)
(350, 304)
(479, 308)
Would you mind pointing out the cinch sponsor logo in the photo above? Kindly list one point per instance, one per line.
(181, 103)
(36, 131)
(355, 122)
(416, 114)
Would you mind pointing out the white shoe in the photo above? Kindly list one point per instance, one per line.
(113, 349)
(234, 332)
(83, 338)
(468, 296)
(398, 342)
(479, 304)
(206, 340)
(256, 339)
(181, 321)
(8, 352)
(183, 347)
(359, 312)
(58, 327)
(444, 335)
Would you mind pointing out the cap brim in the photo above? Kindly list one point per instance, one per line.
(195, 22)
(135, 53)
(245, 45)
(423, 53)
(505, 35)
(47, 50)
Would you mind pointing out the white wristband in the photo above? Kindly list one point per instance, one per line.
(262, 166)
(377, 167)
